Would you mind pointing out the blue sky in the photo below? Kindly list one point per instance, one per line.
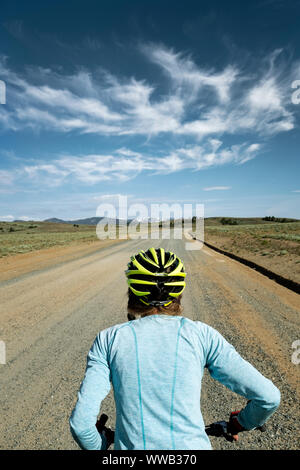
(162, 101)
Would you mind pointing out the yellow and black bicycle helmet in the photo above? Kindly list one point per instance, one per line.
(156, 276)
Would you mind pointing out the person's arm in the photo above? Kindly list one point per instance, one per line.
(94, 388)
(229, 368)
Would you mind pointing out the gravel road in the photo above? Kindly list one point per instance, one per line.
(51, 312)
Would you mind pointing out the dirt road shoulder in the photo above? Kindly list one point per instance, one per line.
(18, 265)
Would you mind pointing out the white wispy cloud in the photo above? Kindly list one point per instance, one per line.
(195, 110)
(193, 103)
(184, 73)
(6, 177)
(217, 188)
(25, 218)
(125, 164)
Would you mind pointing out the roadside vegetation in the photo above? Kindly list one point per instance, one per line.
(23, 237)
(270, 242)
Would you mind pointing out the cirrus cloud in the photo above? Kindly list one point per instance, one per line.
(124, 164)
(190, 102)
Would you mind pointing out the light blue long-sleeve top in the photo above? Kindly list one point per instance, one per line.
(155, 365)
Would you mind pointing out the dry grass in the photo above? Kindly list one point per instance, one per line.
(23, 237)
(273, 245)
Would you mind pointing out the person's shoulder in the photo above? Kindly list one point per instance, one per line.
(106, 335)
(203, 329)
(114, 328)
(198, 325)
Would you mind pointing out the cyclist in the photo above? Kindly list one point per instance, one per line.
(155, 363)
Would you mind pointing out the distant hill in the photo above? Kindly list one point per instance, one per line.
(208, 221)
(22, 220)
(88, 221)
(56, 221)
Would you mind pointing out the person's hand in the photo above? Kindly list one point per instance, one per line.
(109, 435)
(104, 431)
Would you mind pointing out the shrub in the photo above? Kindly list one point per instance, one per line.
(271, 218)
(225, 221)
